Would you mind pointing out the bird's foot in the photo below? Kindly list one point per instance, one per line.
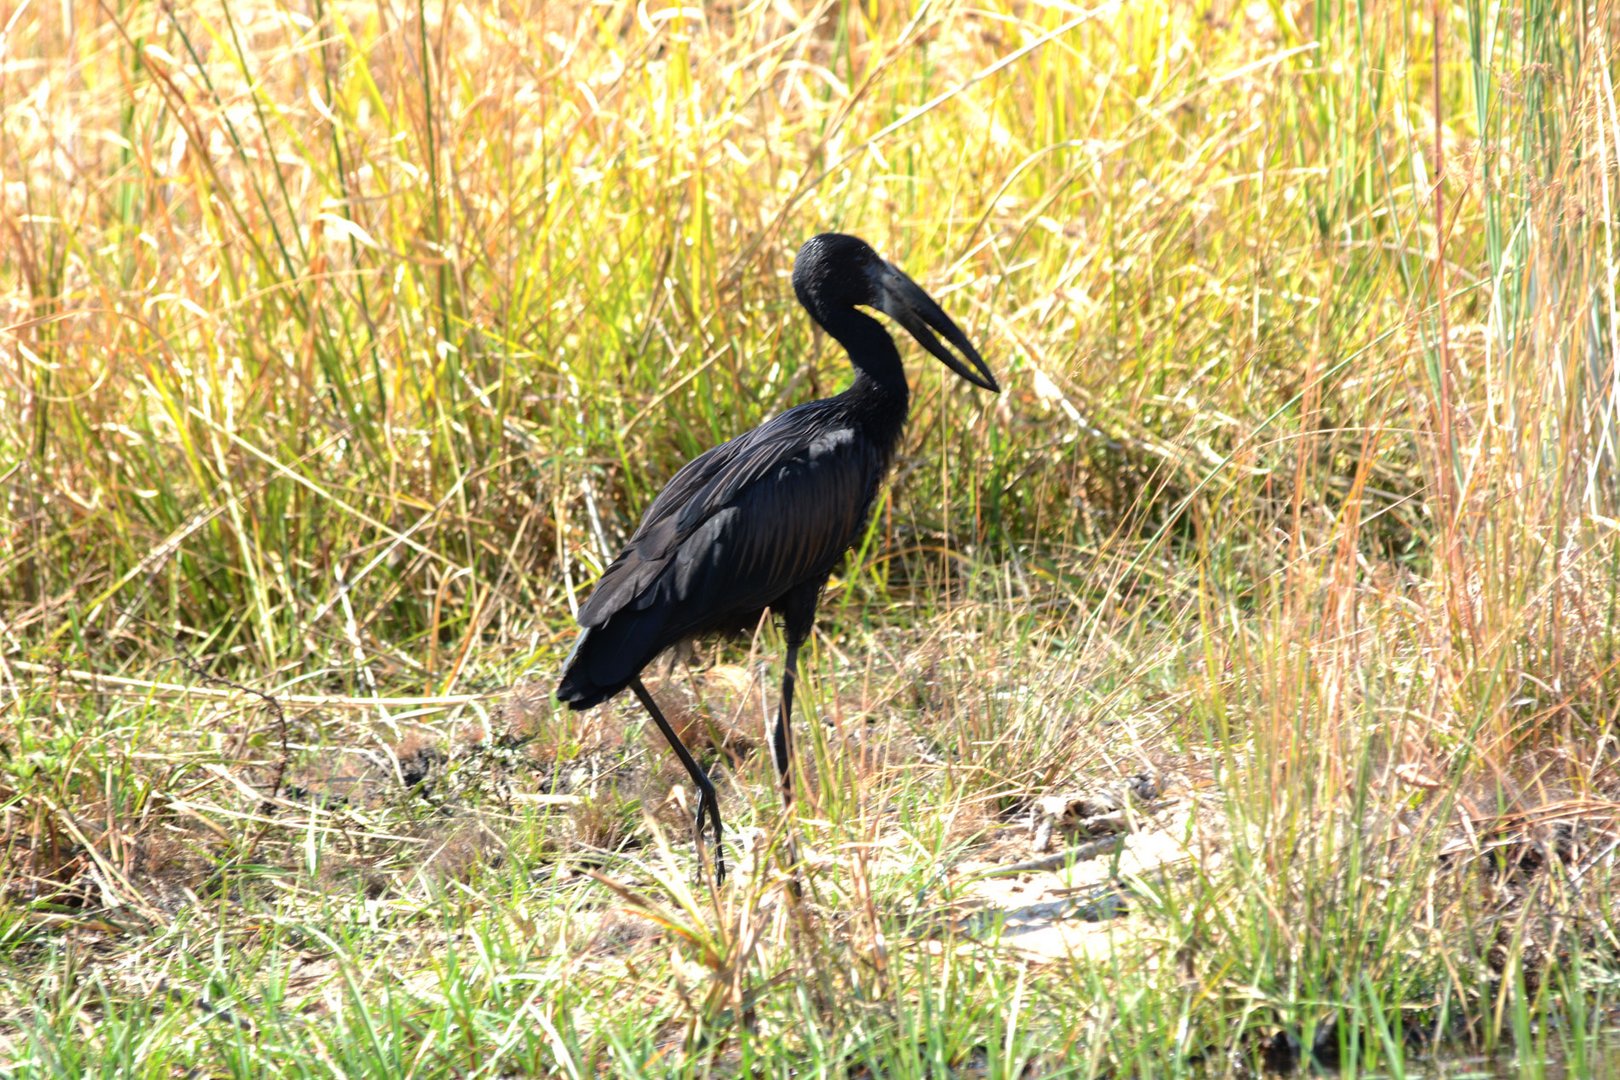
(709, 805)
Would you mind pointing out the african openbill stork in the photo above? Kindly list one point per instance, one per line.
(761, 521)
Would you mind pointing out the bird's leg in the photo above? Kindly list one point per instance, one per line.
(706, 797)
(782, 751)
(782, 732)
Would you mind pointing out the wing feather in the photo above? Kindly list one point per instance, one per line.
(734, 531)
(742, 523)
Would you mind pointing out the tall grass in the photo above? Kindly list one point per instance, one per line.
(344, 343)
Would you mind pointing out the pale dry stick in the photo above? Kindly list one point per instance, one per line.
(351, 629)
(602, 545)
(308, 811)
(99, 681)
(558, 517)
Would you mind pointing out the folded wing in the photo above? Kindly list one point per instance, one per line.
(735, 529)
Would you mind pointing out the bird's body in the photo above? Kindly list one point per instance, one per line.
(732, 535)
(761, 521)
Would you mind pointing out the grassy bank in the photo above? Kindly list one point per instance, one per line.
(344, 343)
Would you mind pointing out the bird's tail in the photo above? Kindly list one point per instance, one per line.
(606, 658)
(576, 689)
(576, 696)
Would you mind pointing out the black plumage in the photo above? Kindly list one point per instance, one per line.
(761, 521)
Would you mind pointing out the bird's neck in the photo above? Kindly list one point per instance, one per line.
(878, 373)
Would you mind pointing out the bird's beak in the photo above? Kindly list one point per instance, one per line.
(904, 301)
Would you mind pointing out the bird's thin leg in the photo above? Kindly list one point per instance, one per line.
(707, 802)
(782, 751)
(782, 732)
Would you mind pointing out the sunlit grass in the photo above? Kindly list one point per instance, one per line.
(345, 343)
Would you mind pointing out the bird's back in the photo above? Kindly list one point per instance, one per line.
(735, 530)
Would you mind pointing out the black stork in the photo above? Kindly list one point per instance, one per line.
(761, 521)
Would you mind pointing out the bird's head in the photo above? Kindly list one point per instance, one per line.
(835, 272)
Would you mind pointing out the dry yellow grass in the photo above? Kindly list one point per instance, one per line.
(343, 342)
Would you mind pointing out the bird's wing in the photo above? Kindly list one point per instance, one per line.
(739, 525)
